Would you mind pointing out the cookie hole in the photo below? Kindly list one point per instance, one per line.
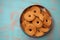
(43, 14)
(38, 30)
(43, 26)
(29, 15)
(46, 20)
(30, 21)
(30, 29)
(34, 11)
(37, 21)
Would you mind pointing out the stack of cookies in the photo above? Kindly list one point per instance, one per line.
(36, 21)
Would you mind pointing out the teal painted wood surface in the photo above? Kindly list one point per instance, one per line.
(10, 12)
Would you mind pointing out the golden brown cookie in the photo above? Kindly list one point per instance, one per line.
(30, 29)
(40, 17)
(47, 21)
(29, 16)
(35, 10)
(45, 12)
(37, 23)
(24, 23)
(44, 29)
(39, 33)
